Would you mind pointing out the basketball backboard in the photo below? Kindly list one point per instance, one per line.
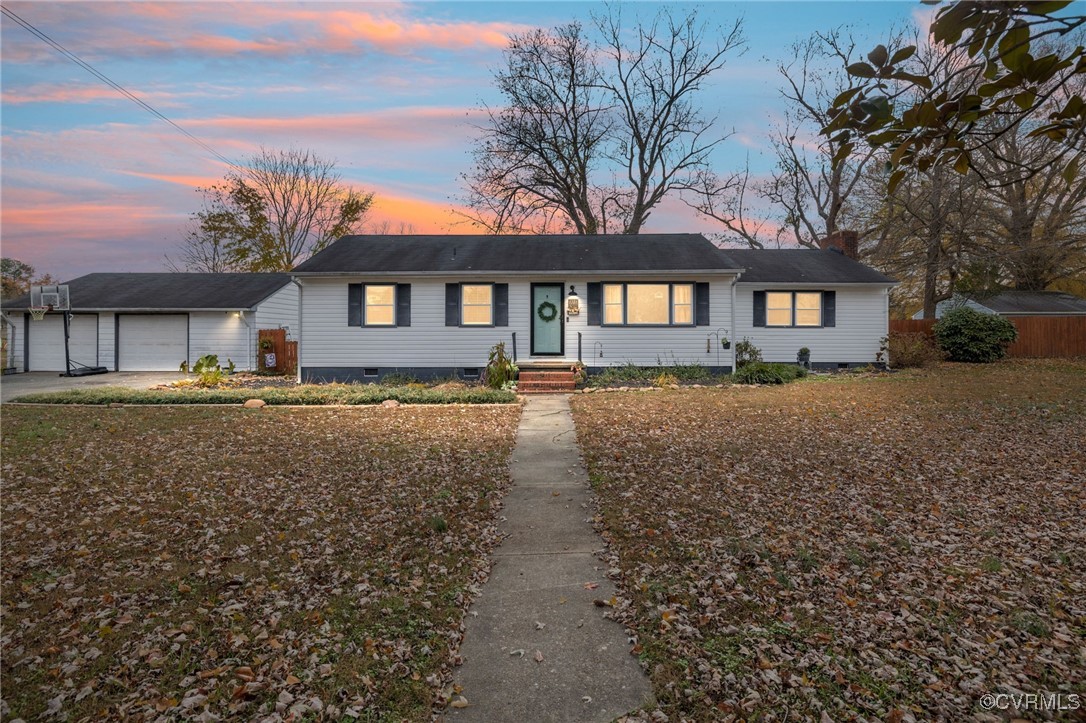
(54, 296)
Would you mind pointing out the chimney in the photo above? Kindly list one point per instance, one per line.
(843, 242)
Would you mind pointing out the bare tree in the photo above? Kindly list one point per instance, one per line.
(814, 177)
(594, 133)
(278, 210)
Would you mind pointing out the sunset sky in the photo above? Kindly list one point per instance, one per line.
(92, 182)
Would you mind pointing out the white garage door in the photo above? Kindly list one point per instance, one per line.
(46, 339)
(152, 342)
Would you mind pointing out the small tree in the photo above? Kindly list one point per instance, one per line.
(967, 335)
(282, 208)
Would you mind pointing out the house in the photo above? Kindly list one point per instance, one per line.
(1015, 303)
(153, 321)
(433, 306)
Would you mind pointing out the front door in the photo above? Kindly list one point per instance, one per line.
(547, 320)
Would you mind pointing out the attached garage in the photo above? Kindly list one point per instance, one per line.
(45, 342)
(152, 342)
(152, 322)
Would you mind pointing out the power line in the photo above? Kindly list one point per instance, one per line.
(116, 86)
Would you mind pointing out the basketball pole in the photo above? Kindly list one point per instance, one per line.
(67, 355)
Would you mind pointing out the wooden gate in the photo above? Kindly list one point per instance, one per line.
(286, 352)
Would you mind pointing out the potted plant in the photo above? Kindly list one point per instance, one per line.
(726, 343)
(804, 357)
(266, 343)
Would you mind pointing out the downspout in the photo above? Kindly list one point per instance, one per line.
(735, 341)
(298, 337)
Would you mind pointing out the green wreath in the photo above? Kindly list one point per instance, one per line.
(547, 311)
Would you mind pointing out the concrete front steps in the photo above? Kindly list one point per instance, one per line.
(550, 381)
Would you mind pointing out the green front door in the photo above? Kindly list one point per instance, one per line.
(547, 319)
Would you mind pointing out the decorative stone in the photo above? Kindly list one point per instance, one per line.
(254, 403)
(115, 405)
(390, 403)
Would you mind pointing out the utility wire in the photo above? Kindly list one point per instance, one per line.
(116, 86)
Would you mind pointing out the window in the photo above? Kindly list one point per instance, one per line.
(778, 308)
(612, 304)
(808, 308)
(380, 306)
(793, 308)
(648, 304)
(477, 304)
(682, 304)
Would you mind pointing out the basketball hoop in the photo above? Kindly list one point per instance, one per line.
(37, 313)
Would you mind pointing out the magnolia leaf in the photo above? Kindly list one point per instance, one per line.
(860, 70)
(962, 164)
(895, 179)
(903, 54)
(879, 56)
(1014, 46)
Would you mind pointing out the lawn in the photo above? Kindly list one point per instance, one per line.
(188, 562)
(884, 547)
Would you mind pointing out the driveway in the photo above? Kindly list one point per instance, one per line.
(16, 385)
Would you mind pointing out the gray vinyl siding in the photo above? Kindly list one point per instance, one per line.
(223, 334)
(107, 336)
(327, 340)
(862, 321)
(279, 310)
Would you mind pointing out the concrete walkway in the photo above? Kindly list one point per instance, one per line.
(539, 598)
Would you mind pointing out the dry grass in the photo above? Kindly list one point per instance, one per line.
(192, 562)
(884, 547)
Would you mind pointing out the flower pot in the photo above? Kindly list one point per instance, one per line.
(726, 344)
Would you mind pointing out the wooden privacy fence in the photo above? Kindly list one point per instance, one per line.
(1038, 336)
(286, 352)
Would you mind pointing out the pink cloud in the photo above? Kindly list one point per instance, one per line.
(264, 29)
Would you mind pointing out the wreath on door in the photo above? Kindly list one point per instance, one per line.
(547, 311)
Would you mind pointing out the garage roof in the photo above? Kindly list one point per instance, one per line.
(802, 266)
(167, 291)
(388, 254)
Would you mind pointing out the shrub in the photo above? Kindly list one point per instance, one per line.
(759, 372)
(500, 369)
(746, 353)
(967, 335)
(911, 349)
(664, 379)
(399, 379)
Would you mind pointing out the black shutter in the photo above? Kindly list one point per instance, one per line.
(829, 308)
(701, 297)
(594, 294)
(354, 304)
(403, 304)
(452, 304)
(759, 308)
(501, 304)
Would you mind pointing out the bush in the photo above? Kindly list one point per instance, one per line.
(500, 369)
(632, 375)
(911, 349)
(310, 394)
(759, 372)
(399, 379)
(967, 335)
(746, 353)
(664, 379)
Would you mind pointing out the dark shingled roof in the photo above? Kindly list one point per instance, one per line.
(1034, 302)
(167, 291)
(517, 254)
(801, 266)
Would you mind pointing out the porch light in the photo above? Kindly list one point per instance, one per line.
(573, 302)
